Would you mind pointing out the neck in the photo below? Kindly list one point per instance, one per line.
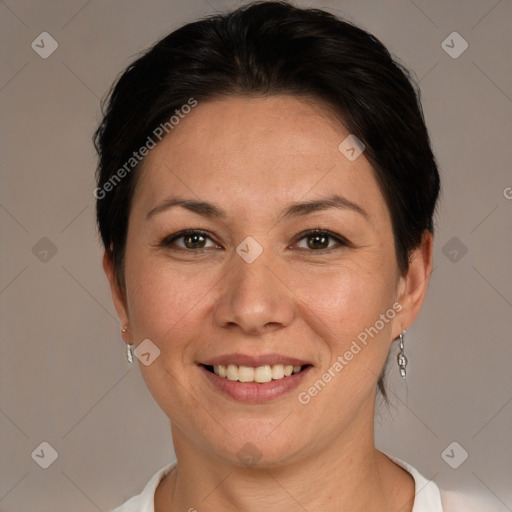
(349, 474)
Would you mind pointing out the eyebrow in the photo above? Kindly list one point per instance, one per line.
(335, 201)
(209, 210)
(200, 207)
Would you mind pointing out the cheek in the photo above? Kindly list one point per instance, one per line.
(343, 307)
(161, 300)
(163, 306)
(348, 298)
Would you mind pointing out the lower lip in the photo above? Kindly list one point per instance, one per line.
(253, 391)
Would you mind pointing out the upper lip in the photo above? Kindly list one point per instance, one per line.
(253, 361)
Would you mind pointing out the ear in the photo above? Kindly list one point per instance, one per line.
(118, 295)
(412, 287)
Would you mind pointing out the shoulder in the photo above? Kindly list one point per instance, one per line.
(454, 501)
(429, 498)
(145, 501)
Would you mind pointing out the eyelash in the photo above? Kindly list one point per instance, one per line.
(341, 241)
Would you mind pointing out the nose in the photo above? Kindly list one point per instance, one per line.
(253, 298)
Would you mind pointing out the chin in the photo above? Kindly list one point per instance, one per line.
(258, 449)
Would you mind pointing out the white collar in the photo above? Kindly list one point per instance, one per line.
(427, 495)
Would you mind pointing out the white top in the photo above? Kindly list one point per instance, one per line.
(427, 499)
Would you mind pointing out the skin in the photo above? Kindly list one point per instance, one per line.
(253, 157)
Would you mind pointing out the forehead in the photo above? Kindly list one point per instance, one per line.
(252, 152)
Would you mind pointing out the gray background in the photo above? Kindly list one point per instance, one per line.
(64, 379)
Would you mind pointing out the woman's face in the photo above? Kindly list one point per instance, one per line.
(255, 287)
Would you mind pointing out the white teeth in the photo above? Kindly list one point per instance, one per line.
(245, 374)
(277, 371)
(263, 374)
(260, 374)
(232, 372)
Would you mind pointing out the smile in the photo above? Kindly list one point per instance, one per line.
(254, 379)
(260, 374)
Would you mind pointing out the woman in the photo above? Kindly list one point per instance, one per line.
(266, 192)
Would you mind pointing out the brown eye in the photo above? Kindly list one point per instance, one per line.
(189, 240)
(194, 241)
(320, 240)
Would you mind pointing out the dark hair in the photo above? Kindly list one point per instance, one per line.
(264, 49)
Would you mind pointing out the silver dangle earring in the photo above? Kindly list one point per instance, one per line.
(401, 358)
(129, 347)
(129, 353)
